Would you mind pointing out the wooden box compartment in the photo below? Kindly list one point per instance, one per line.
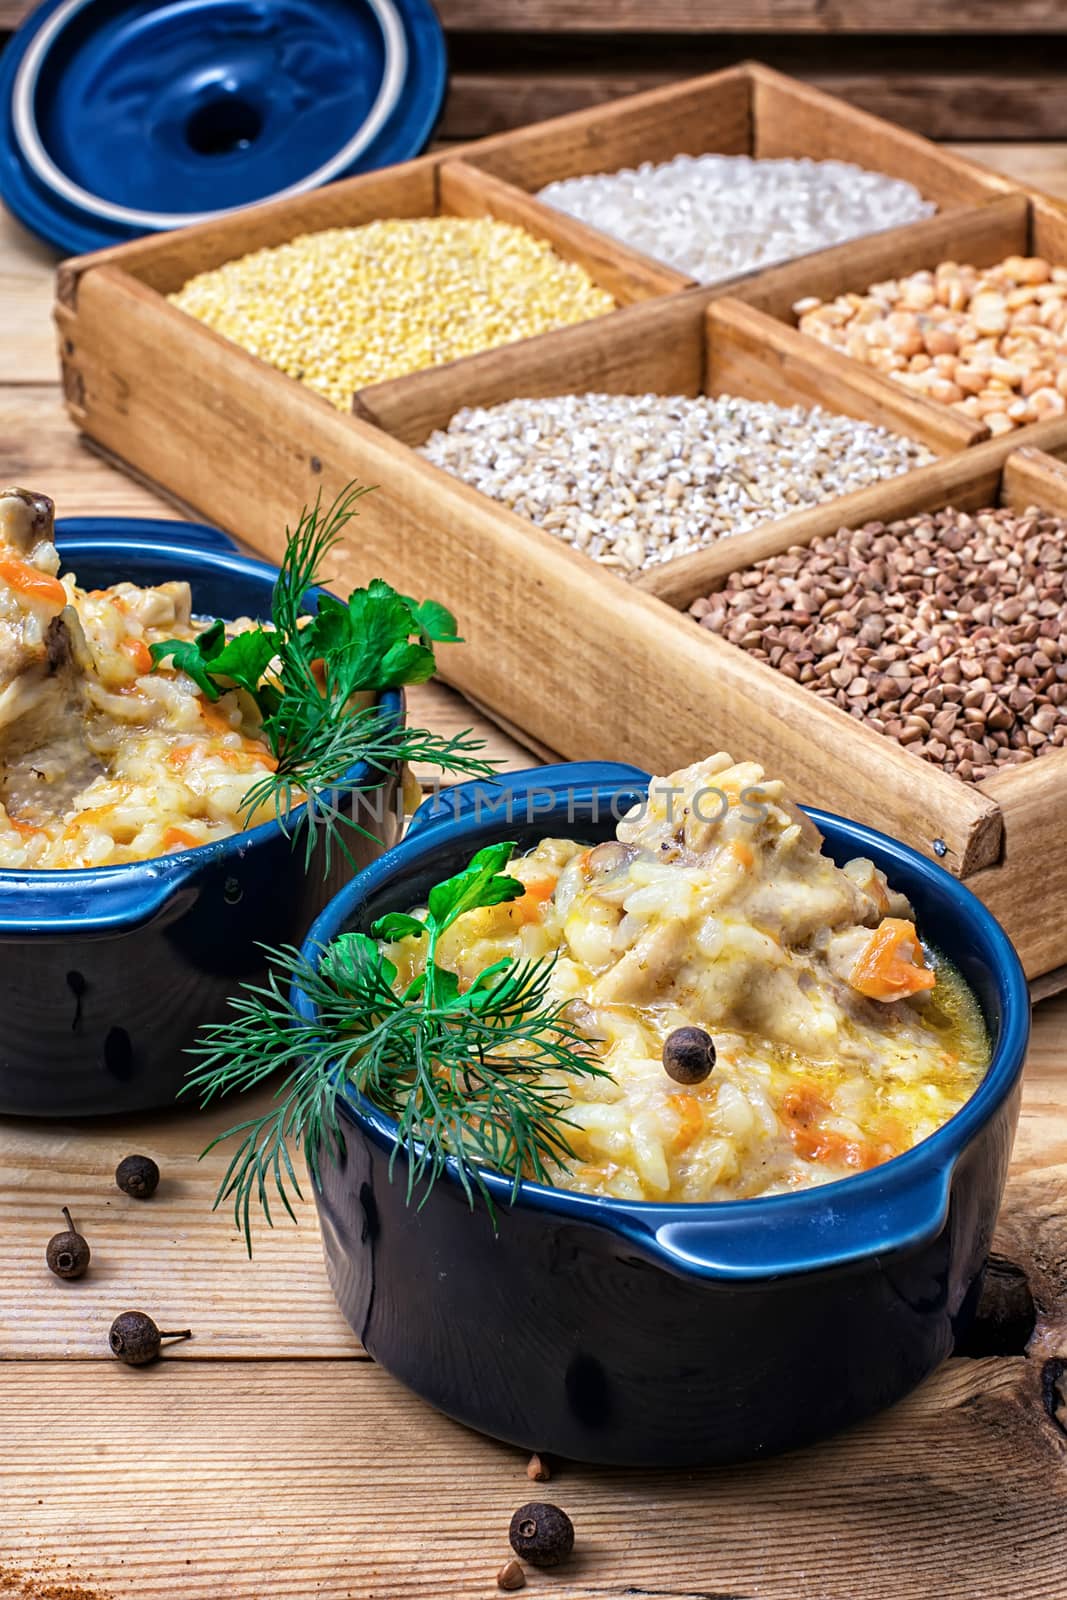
(161, 264)
(680, 345)
(743, 110)
(1012, 225)
(583, 663)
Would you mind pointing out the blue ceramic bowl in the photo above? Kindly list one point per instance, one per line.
(109, 972)
(669, 1335)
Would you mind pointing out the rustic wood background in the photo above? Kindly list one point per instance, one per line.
(987, 69)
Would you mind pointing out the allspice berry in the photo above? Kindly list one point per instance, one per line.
(689, 1055)
(135, 1339)
(67, 1254)
(542, 1534)
(138, 1176)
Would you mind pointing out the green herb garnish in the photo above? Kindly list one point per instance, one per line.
(304, 674)
(459, 1072)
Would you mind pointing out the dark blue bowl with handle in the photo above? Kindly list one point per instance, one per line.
(109, 972)
(645, 1334)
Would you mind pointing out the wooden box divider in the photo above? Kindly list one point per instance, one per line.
(653, 346)
(466, 192)
(1012, 225)
(997, 472)
(583, 662)
(164, 261)
(983, 235)
(745, 348)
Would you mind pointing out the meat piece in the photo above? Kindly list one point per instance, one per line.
(44, 659)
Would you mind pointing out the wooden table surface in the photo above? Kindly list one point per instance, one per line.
(269, 1456)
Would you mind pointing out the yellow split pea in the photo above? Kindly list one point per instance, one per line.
(354, 306)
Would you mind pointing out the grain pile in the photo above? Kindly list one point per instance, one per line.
(711, 217)
(355, 306)
(947, 631)
(990, 341)
(636, 480)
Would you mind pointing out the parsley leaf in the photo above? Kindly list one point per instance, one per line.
(245, 659)
(317, 729)
(192, 656)
(482, 883)
(397, 925)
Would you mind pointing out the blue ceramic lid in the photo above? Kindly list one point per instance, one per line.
(125, 117)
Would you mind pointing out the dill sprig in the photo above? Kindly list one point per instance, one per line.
(311, 675)
(477, 1078)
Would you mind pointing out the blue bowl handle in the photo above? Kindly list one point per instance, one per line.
(898, 1207)
(200, 535)
(138, 896)
(523, 794)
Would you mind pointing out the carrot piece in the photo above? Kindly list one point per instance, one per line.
(892, 964)
(803, 1105)
(541, 888)
(215, 719)
(742, 852)
(251, 752)
(179, 839)
(23, 578)
(690, 1113)
(138, 652)
(823, 1144)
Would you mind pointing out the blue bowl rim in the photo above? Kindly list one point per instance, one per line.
(176, 864)
(932, 1161)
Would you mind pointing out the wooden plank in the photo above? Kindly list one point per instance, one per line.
(1044, 166)
(936, 98)
(1048, 229)
(753, 110)
(1033, 803)
(726, 16)
(655, 346)
(41, 450)
(624, 273)
(170, 1256)
(235, 437)
(791, 119)
(28, 348)
(752, 354)
(319, 1478)
(709, 113)
(737, 16)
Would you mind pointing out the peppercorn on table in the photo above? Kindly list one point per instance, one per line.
(268, 1455)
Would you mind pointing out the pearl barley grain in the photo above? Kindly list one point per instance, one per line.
(711, 216)
(354, 306)
(637, 480)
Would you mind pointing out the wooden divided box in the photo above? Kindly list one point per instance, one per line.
(582, 662)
